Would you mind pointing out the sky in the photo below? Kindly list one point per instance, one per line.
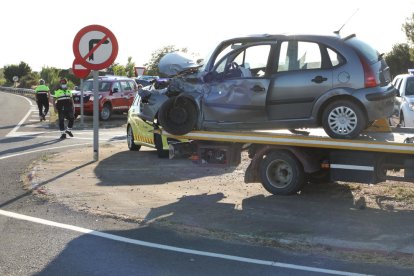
(41, 32)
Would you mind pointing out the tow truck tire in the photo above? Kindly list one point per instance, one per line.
(161, 153)
(343, 119)
(282, 173)
(178, 115)
(130, 140)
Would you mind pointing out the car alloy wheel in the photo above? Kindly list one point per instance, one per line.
(343, 119)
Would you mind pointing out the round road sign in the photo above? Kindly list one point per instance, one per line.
(79, 70)
(95, 47)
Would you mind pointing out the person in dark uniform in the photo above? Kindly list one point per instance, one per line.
(64, 106)
(42, 98)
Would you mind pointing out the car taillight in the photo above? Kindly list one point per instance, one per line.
(369, 76)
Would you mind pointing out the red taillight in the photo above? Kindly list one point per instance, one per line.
(369, 76)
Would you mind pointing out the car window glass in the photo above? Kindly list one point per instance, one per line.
(104, 86)
(125, 86)
(222, 54)
(299, 55)
(251, 62)
(87, 86)
(133, 85)
(116, 85)
(409, 87)
(255, 60)
(335, 58)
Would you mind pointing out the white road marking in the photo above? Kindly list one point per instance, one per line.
(172, 248)
(14, 130)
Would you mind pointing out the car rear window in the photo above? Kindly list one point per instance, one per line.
(366, 50)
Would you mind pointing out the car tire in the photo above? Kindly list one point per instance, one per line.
(130, 140)
(402, 120)
(281, 173)
(161, 153)
(178, 115)
(343, 120)
(106, 112)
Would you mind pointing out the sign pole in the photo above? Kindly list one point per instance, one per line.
(95, 47)
(95, 116)
(81, 102)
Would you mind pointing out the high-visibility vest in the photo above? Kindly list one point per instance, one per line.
(42, 89)
(61, 95)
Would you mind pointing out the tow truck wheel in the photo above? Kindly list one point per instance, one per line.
(159, 147)
(130, 140)
(343, 119)
(282, 173)
(178, 115)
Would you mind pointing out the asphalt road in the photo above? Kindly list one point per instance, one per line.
(50, 239)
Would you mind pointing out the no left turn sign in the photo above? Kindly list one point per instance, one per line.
(95, 47)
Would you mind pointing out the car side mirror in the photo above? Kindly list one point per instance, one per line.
(77, 88)
(115, 90)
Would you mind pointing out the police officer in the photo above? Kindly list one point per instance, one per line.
(63, 104)
(42, 98)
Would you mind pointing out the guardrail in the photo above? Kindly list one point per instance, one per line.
(24, 91)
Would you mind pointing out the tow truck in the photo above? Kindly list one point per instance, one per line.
(283, 161)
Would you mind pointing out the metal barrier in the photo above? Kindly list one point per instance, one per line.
(24, 91)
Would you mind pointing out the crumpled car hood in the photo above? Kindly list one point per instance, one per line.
(176, 63)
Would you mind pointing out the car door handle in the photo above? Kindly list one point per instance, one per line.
(258, 88)
(319, 79)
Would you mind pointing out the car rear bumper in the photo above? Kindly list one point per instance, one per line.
(379, 102)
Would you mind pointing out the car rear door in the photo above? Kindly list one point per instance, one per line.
(127, 94)
(300, 79)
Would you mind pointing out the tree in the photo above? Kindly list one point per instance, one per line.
(119, 70)
(399, 59)
(408, 28)
(152, 65)
(2, 79)
(51, 76)
(20, 71)
(130, 68)
(29, 80)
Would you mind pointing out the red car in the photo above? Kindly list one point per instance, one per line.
(115, 96)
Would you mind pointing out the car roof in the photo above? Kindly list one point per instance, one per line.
(262, 37)
(112, 78)
(406, 75)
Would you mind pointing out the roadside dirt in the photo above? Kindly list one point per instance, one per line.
(215, 202)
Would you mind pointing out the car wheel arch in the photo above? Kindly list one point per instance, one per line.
(193, 101)
(332, 99)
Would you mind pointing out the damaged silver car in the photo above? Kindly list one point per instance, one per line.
(267, 82)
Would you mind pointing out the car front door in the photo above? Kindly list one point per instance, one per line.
(301, 78)
(237, 91)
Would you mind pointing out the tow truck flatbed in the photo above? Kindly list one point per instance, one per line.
(392, 142)
(284, 161)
